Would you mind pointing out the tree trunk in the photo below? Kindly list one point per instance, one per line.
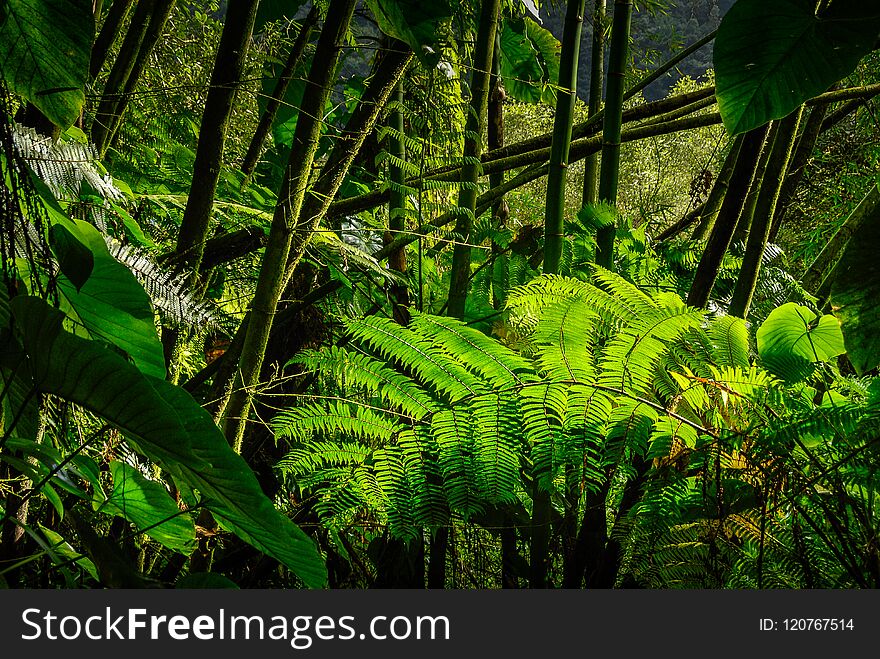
(495, 140)
(799, 159)
(268, 117)
(765, 208)
(597, 79)
(731, 207)
(105, 117)
(109, 125)
(718, 192)
(225, 80)
(299, 210)
(397, 205)
(553, 235)
(744, 223)
(154, 30)
(608, 176)
(473, 146)
(559, 148)
(271, 280)
(817, 270)
(107, 36)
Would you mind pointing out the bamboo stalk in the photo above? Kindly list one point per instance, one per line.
(611, 139)
(471, 167)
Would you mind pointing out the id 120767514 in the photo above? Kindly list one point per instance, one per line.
(807, 624)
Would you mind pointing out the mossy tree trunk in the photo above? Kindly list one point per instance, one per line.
(116, 16)
(146, 27)
(226, 77)
(271, 279)
(103, 126)
(294, 58)
(597, 84)
(495, 140)
(473, 147)
(728, 215)
(717, 194)
(300, 207)
(566, 93)
(609, 173)
(397, 203)
(765, 207)
(806, 144)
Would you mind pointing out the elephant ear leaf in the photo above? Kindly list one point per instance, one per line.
(770, 57)
(793, 339)
(164, 423)
(529, 61)
(45, 47)
(413, 22)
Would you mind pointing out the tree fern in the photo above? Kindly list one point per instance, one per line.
(656, 409)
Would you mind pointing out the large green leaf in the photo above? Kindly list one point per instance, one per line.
(45, 47)
(793, 339)
(529, 61)
(165, 423)
(148, 506)
(855, 292)
(74, 258)
(112, 304)
(772, 55)
(414, 22)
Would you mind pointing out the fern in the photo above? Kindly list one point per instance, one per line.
(622, 396)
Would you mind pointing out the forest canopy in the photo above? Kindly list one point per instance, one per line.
(439, 294)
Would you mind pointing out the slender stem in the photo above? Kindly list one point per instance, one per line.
(294, 59)
(270, 282)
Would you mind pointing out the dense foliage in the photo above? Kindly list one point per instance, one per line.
(337, 305)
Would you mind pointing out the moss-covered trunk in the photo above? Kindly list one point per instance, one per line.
(473, 146)
(608, 176)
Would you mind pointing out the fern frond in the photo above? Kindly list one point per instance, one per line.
(322, 454)
(349, 420)
(418, 354)
(564, 337)
(171, 295)
(730, 341)
(487, 358)
(543, 414)
(629, 359)
(360, 371)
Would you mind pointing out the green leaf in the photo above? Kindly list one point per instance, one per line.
(730, 341)
(113, 305)
(790, 341)
(414, 22)
(770, 57)
(855, 292)
(74, 258)
(63, 548)
(166, 424)
(45, 47)
(529, 61)
(148, 506)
